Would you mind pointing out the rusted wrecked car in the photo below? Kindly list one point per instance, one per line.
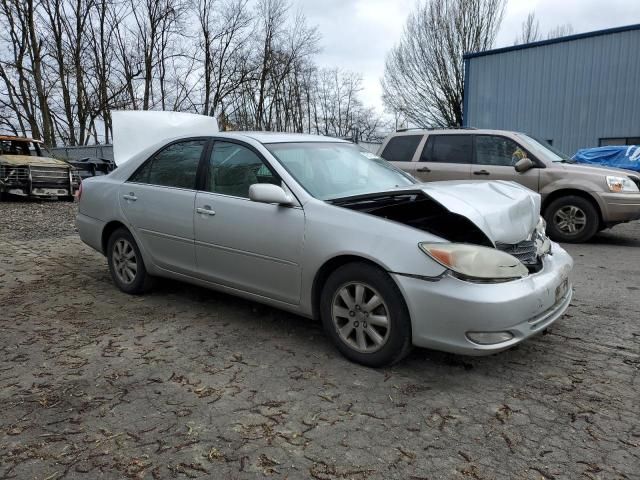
(26, 172)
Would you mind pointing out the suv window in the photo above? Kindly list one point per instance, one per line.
(448, 149)
(174, 166)
(401, 148)
(233, 168)
(499, 151)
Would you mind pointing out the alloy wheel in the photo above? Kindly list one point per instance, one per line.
(125, 263)
(570, 219)
(361, 317)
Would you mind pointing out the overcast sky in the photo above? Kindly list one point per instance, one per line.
(357, 34)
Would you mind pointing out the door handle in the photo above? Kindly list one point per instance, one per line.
(481, 172)
(206, 210)
(131, 196)
(423, 169)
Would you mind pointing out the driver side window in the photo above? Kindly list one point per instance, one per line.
(497, 151)
(233, 168)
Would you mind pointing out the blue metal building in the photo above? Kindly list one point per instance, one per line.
(576, 92)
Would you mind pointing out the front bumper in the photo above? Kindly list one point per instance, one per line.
(620, 207)
(443, 311)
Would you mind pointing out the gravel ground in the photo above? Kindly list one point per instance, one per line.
(189, 383)
(25, 220)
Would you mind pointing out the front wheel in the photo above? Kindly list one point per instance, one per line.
(365, 315)
(125, 263)
(572, 219)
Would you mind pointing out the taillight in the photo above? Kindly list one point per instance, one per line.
(79, 192)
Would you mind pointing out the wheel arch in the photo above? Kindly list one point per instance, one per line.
(326, 270)
(108, 229)
(565, 192)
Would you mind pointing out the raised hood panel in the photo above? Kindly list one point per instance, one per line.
(505, 211)
(135, 131)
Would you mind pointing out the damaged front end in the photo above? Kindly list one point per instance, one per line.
(495, 231)
(38, 180)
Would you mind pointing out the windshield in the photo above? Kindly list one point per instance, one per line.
(548, 150)
(334, 170)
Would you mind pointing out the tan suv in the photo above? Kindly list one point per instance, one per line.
(577, 200)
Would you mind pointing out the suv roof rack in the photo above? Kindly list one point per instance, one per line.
(434, 128)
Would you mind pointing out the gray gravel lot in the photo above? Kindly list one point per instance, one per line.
(189, 383)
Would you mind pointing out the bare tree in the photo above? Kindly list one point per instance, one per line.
(560, 31)
(424, 73)
(530, 31)
(66, 64)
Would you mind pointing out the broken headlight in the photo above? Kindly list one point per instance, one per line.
(473, 262)
(542, 242)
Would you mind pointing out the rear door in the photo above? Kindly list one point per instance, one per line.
(495, 158)
(158, 201)
(250, 246)
(446, 157)
(401, 150)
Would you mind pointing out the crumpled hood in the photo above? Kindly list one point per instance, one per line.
(506, 212)
(31, 160)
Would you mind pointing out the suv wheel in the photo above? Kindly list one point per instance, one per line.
(572, 219)
(365, 315)
(125, 263)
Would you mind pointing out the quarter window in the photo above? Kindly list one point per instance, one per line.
(448, 149)
(401, 148)
(175, 166)
(233, 168)
(498, 151)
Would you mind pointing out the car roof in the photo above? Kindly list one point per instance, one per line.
(277, 137)
(19, 139)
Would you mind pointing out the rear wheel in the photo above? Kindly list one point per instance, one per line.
(572, 219)
(365, 315)
(125, 263)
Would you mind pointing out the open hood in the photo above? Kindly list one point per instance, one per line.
(135, 131)
(484, 213)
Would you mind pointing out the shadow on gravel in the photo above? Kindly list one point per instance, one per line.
(614, 239)
(308, 332)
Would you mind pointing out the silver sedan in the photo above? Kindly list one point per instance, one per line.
(322, 228)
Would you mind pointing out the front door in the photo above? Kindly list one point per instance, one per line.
(158, 202)
(495, 158)
(446, 157)
(250, 246)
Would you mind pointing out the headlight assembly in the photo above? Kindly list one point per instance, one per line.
(474, 262)
(621, 184)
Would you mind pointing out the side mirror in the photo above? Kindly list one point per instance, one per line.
(269, 193)
(523, 165)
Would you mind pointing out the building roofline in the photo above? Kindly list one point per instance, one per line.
(552, 41)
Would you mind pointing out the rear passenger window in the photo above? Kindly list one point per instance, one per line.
(448, 149)
(175, 166)
(401, 148)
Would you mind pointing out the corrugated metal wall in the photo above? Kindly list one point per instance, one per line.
(574, 92)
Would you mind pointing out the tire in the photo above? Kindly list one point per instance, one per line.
(68, 198)
(356, 322)
(127, 277)
(571, 212)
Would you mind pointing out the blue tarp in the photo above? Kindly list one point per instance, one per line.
(620, 157)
